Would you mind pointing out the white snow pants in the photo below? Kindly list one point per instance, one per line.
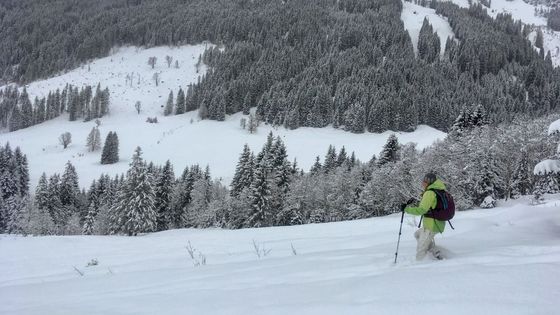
(425, 239)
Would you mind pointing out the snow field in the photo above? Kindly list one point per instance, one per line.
(500, 261)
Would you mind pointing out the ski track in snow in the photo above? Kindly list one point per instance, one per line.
(500, 261)
(183, 139)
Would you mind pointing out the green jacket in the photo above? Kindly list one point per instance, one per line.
(428, 202)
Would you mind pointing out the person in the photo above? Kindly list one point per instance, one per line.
(430, 226)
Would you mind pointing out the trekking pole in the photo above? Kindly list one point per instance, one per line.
(400, 232)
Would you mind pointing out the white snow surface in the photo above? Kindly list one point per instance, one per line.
(183, 139)
(413, 16)
(554, 127)
(547, 167)
(504, 260)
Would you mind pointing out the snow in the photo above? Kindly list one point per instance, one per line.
(413, 16)
(554, 127)
(504, 260)
(547, 167)
(182, 139)
(521, 10)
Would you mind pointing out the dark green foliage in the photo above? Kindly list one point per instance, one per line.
(110, 153)
(347, 63)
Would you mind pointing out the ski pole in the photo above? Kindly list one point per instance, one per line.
(400, 232)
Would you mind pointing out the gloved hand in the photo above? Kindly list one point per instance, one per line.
(403, 206)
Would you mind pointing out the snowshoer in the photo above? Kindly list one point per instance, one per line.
(430, 226)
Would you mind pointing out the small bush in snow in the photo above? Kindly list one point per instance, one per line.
(197, 257)
(488, 202)
(260, 250)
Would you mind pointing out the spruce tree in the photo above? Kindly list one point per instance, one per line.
(136, 202)
(163, 193)
(169, 106)
(69, 187)
(180, 108)
(93, 141)
(110, 153)
(390, 151)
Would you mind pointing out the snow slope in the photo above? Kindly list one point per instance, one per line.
(413, 16)
(520, 10)
(500, 261)
(183, 139)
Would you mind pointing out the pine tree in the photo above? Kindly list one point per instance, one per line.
(89, 220)
(42, 193)
(260, 198)
(163, 193)
(521, 181)
(26, 109)
(169, 106)
(243, 172)
(316, 168)
(69, 189)
(110, 153)
(180, 108)
(330, 160)
(539, 39)
(93, 141)
(22, 172)
(58, 213)
(136, 201)
(390, 151)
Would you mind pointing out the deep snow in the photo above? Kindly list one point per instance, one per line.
(500, 261)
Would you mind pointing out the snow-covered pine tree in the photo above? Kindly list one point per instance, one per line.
(163, 193)
(58, 213)
(521, 179)
(93, 141)
(180, 107)
(260, 198)
(26, 109)
(42, 193)
(317, 167)
(110, 153)
(243, 172)
(136, 201)
(21, 171)
(330, 160)
(168, 110)
(69, 188)
(390, 151)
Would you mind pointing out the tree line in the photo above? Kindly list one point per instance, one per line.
(18, 112)
(480, 163)
(345, 63)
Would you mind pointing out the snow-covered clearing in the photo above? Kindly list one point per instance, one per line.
(413, 16)
(183, 139)
(500, 261)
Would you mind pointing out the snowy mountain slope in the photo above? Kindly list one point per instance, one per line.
(413, 16)
(183, 139)
(500, 261)
(520, 10)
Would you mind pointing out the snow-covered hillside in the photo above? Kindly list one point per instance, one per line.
(413, 16)
(183, 139)
(499, 261)
(521, 10)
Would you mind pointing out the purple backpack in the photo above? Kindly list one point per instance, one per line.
(445, 207)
